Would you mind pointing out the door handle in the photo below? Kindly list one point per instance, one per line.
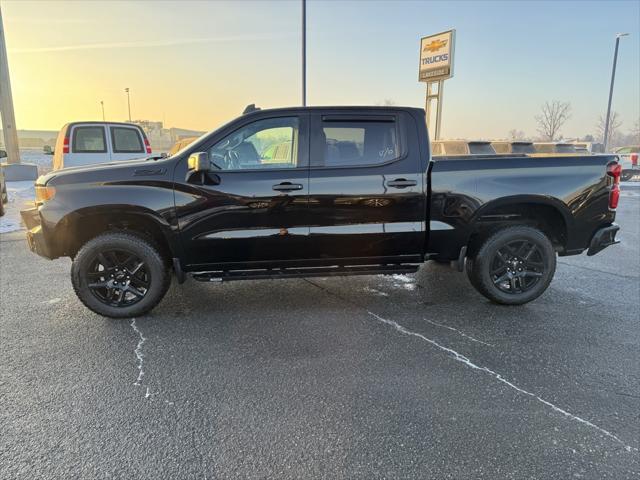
(287, 187)
(401, 183)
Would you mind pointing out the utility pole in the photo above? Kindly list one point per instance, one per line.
(613, 77)
(6, 104)
(128, 102)
(102, 105)
(304, 53)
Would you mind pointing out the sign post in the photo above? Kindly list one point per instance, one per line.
(436, 65)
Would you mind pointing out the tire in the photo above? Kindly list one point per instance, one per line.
(515, 265)
(120, 275)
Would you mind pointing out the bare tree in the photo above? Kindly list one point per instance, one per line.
(516, 134)
(552, 118)
(614, 128)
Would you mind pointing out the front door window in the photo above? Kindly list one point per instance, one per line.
(265, 144)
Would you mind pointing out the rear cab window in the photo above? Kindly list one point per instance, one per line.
(455, 148)
(481, 148)
(89, 139)
(126, 140)
(565, 149)
(345, 140)
(503, 148)
(522, 148)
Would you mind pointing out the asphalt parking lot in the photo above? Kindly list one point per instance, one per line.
(365, 377)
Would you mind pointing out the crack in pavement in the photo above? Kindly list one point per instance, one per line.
(138, 383)
(140, 359)
(459, 332)
(464, 360)
(630, 277)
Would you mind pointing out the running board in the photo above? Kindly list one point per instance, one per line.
(336, 271)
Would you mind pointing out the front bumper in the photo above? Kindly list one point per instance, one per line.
(35, 235)
(603, 238)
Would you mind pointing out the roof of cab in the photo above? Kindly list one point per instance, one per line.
(333, 107)
(96, 122)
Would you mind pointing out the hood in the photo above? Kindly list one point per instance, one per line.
(99, 172)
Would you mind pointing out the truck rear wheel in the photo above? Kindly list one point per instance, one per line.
(513, 266)
(119, 275)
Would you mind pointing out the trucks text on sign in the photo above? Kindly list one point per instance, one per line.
(436, 56)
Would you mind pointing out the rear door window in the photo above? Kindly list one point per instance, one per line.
(89, 139)
(126, 140)
(362, 141)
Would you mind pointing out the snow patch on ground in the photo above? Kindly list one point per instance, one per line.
(400, 280)
(375, 291)
(20, 195)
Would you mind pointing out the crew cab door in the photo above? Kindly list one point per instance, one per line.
(252, 206)
(366, 193)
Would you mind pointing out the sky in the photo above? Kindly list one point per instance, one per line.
(198, 64)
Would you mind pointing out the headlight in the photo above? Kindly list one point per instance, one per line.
(44, 193)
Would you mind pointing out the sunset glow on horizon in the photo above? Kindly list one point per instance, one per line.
(198, 64)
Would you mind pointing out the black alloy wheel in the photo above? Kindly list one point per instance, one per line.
(118, 278)
(517, 267)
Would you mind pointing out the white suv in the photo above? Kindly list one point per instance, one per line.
(88, 143)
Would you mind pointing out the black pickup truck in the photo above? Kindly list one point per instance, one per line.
(300, 192)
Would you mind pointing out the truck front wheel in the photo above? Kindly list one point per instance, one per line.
(119, 275)
(513, 266)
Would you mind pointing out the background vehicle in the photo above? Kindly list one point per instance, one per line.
(89, 143)
(354, 192)
(629, 160)
(461, 147)
(3, 195)
(516, 146)
(588, 147)
(552, 148)
(4, 198)
(180, 144)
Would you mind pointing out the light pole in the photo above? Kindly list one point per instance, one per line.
(6, 104)
(304, 53)
(613, 77)
(128, 102)
(102, 105)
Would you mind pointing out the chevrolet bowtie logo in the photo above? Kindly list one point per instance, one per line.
(435, 45)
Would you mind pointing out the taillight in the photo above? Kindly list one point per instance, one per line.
(65, 145)
(614, 170)
(634, 159)
(148, 145)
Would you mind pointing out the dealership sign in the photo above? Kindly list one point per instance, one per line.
(436, 56)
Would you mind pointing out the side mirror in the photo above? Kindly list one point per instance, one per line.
(199, 162)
